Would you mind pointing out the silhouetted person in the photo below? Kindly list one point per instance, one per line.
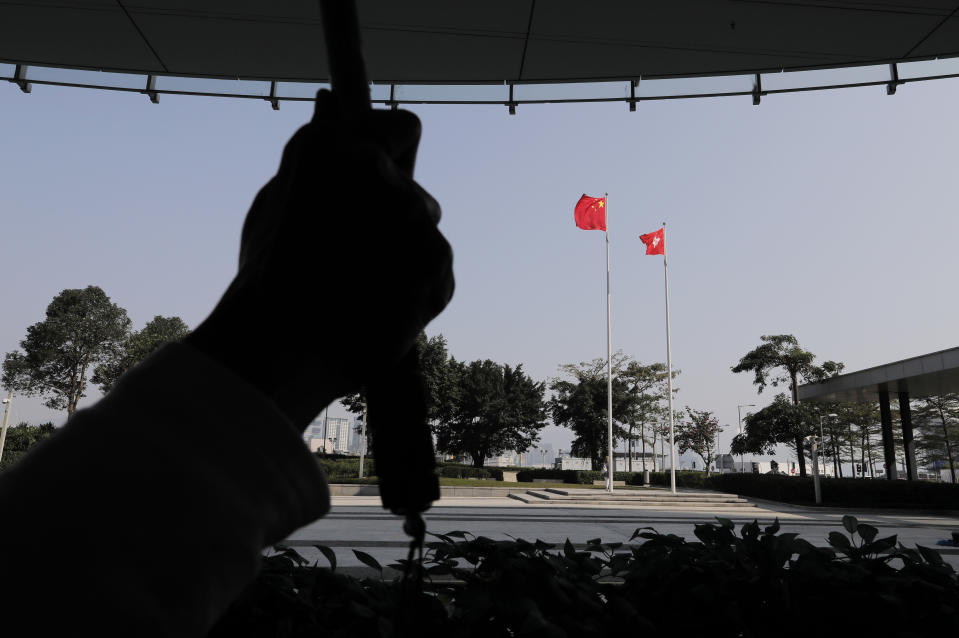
(146, 514)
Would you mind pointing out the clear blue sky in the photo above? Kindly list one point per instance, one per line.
(828, 215)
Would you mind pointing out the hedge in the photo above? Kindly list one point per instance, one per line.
(577, 477)
(847, 492)
(455, 470)
(683, 479)
(339, 468)
(344, 467)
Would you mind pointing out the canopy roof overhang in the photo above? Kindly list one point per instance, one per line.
(495, 42)
(927, 375)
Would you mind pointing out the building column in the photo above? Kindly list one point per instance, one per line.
(909, 446)
(888, 446)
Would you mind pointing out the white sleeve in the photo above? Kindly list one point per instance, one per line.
(146, 514)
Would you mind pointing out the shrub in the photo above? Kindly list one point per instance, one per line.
(577, 477)
(752, 584)
(560, 476)
(684, 478)
(634, 478)
(452, 470)
(344, 467)
(340, 468)
(846, 492)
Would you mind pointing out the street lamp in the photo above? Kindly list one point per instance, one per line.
(739, 409)
(7, 402)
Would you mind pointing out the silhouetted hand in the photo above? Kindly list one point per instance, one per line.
(341, 264)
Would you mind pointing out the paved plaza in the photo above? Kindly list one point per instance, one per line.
(360, 522)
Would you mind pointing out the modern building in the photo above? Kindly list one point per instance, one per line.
(931, 374)
(338, 433)
(314, 431)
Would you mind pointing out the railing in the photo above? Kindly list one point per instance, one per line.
(629, 92)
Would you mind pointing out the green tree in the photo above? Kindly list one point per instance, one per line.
(779, 422)
(82, 330)
(780, 360)
(854, 423)
(20, 438)
(698, 433)
(660, 431)
(137, 347)
(869, 430)
(437, 376)
(581, 404)
(937, 422)
(497, 408)
(648, 386)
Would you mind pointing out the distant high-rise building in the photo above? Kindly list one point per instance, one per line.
(315, 430)
(338, 434)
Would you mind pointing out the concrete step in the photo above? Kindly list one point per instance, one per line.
(635, 495)
(662, 500)
(532, 500)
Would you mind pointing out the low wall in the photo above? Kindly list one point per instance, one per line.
(449, 491)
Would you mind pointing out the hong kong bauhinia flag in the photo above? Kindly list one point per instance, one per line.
(655, 242)
(590, 213)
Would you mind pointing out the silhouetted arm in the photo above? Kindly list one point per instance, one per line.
(146, 514)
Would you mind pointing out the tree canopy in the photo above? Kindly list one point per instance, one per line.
(494, 408)
(779, 422)
(780, 360)
(647, 408)
(937, 420)
(138, 346)
(82, 330)
(20, 438)
(580, 403)
(437, 376)
(698, 433)
(782, 354)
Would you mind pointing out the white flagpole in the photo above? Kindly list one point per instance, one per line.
(669, 377)
(609, 363)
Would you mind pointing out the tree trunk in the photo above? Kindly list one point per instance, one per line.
(872, 469)
(77, 386)
(800, 456)
(862, 451)
(799, 451)
(835, 456)
(642, 437)
(852, 454)
(945, 433)
(478, 458)
(629, 447)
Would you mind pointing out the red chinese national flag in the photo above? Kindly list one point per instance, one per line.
(655, 242)
(590, 213)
